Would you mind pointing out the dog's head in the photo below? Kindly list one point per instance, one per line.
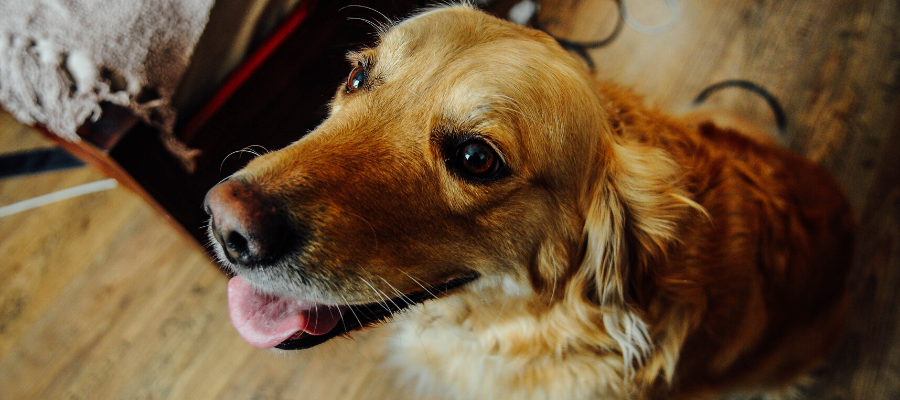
(462, 152)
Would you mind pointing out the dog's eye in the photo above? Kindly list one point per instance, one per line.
(357, 79)
(477, 159)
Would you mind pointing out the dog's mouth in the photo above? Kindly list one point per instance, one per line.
(268, 321)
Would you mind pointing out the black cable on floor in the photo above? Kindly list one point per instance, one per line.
(581, 48)
(777, 110)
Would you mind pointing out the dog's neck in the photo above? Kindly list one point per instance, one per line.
(504, 340)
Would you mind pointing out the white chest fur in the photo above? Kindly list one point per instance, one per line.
(493, 347)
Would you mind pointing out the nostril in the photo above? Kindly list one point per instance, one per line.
(237, 243)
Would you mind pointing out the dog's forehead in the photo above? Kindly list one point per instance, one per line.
(440, 36)
(444, 30)
(467, 60)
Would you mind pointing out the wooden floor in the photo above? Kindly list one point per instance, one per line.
(100, 298)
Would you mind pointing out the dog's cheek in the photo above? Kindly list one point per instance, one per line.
(523, 237)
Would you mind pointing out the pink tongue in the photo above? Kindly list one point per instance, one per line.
(265, 320)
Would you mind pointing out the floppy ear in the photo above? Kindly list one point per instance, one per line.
(633, 215)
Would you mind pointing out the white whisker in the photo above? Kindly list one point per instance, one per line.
(379, 294)
(418, 283)
(248, 150)
(381, 28)
(352, 311)
(400, 294)
(264, 150)
(371, 23)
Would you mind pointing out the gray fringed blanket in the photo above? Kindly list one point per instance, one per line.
(60, 58)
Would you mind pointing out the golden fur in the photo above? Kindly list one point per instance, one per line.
(626, 254)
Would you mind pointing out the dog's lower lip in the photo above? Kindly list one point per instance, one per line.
(365, 315)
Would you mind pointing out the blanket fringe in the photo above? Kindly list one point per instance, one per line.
(40, 83)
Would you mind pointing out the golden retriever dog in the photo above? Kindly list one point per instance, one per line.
(551, 237)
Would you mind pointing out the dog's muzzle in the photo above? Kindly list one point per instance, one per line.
(254, 233)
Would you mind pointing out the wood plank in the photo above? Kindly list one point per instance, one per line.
(866, 364)
(16, 137)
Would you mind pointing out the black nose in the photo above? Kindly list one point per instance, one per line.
(249, 226)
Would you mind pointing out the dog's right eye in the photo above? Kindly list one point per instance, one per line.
(357, 79)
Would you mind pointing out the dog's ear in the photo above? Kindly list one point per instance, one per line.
(633, 214)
